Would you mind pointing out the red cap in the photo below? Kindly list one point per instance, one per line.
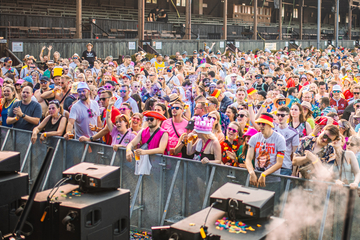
(154, 115)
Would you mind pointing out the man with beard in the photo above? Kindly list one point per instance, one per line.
(267, 148)
(175, 126)
(154, 136)
(44, 87)
(25, 114)
(125, 98)
(60, 91)
(83, 114)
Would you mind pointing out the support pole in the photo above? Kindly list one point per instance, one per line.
(255, 20)
(78, 19)
(280, 19)
(301, 18)
(318, 24)
(188, 20)
(141, 20)
(337, 23)
(350, 18)
(225, 20)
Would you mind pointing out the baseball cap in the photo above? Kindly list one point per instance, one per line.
(44, 78)
(7, 59)
(336, 88)
(190, 125)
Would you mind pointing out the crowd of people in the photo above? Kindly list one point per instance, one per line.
(290, 112)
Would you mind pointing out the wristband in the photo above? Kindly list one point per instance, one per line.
(313, 135)
(263, 106)
(263, 175)
(108, 110)
(52, 91)
(250, 105)
(315, 161)
(16, 118)
(44, 134)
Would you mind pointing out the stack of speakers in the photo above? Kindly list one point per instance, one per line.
(13, 185)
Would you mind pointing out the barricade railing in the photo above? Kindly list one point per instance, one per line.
(177, 188)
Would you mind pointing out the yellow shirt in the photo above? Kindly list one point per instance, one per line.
(159, 66)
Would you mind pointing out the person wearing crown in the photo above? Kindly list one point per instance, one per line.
(207, 147)
(267, 148)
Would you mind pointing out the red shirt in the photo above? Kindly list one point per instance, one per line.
(340, 104)
(290, 83)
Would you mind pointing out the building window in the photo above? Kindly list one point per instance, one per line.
(283, 12)
(296, 13)
(183, 3)
(148, 1)
(178, 2)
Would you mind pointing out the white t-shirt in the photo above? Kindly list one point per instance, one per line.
(292, 140)
(132, 102)
(80, 113)
(267, 149)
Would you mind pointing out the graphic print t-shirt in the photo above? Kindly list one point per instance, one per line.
(267, 149)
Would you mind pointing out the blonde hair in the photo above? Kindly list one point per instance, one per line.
(216, 126)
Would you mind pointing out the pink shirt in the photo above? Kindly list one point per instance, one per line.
(180, 129)
(155, 141)
(116, 137)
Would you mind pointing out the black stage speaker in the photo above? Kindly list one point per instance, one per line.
(243, 202)
(189, 228)
(12, 187)
(91, 176)
(9, 162)
(74, 215)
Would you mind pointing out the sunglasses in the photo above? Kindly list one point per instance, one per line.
(282, 102)
(89, 81)
(151, 75)
(279, 85)
(350, 144)
(247, 83)
(150, 119)
(232, 130)
(161, 78)
(90, 112)
(136, 119)
(107, 87)
(136, 69)
(238, 85)
(213, 118)
(281, 115)
(103, 99)
(327, 138)
(239, 109)
(177, 108)
(337, 91)
(241, 115)
(123, 109)
(356, 93)
(122, 91)
(262, 124)
(42, 82)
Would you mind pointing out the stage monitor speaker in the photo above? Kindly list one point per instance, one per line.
(92, 176)
(9, 162)
(72, 215)
(12, 188)
(242, 202)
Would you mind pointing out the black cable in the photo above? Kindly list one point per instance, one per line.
(57, 186)
(212, 205)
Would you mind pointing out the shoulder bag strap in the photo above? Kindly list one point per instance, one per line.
(172, 123)
(169, 80)
(123, 136)
(65, 95)
(151, 137)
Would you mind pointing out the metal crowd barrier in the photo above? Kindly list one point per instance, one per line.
(178, 187)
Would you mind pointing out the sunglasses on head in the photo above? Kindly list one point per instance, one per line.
(56, 102)
(232, 130)
(281, 115)
(150, 119)
(177, 108)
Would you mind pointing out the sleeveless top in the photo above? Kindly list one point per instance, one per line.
(159, 66)
(345, 169)
(301, 129)
(5, 112)
(49, 127)
(200, 155)
(155, 142)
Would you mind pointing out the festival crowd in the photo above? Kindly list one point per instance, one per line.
(294, 113)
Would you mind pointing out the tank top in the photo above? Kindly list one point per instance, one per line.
(49, 127)
(4, 113)
(159, 66)
(201, 154)
(155, 142)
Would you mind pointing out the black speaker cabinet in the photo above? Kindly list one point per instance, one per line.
(9, 161)
(81, 216)
(12, 187)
